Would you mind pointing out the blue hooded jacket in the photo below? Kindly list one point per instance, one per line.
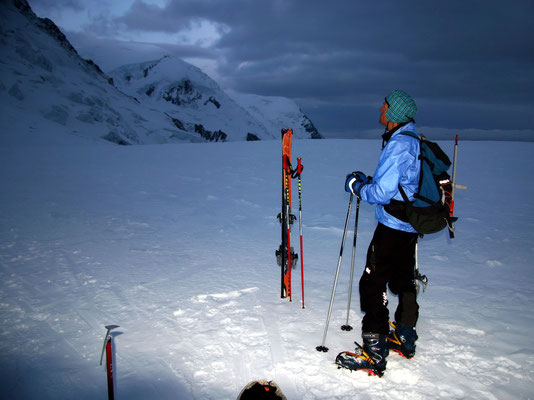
(398, 163)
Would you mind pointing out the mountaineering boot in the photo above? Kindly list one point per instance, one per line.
(371, 357)
(402, 339)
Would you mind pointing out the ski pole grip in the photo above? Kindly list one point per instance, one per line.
(300, 167)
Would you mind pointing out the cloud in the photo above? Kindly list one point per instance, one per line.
(467, 63)
(48, 5)
(149, 17)
(110, 54)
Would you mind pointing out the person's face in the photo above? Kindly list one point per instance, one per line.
(383, 120)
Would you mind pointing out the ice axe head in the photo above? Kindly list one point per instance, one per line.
(110, 327)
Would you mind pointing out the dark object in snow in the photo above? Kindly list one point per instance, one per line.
(252, 137)
(261, 390)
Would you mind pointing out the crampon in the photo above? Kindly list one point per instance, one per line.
(358, 361)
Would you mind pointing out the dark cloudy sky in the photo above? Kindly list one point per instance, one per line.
(469, 64)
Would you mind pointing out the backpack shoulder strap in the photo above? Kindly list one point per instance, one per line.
(410, 133)
(420, 138)
(403, 194)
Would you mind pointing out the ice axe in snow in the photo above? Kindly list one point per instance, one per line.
(109, 359)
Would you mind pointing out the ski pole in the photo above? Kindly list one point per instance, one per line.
(300, 167)
(347, 327)
(322, 347)
(109, 359)
(451, 228)
(454, 174)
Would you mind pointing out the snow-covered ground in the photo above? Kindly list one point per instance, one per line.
(175, 243)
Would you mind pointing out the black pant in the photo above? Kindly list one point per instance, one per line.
(390, 261)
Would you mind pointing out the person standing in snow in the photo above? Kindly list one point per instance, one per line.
(391, 254)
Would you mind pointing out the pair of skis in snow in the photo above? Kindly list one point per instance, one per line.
(285, 255)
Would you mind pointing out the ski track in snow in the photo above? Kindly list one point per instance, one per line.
(182, 258)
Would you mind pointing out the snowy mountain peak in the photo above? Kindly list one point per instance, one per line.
(170, 67)
(170, 79)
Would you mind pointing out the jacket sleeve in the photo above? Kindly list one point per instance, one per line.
(394, 160)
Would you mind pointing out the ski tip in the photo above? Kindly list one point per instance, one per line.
(110, 327)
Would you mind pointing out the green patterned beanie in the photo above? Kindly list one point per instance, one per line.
(402, 107)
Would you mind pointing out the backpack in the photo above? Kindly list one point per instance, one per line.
(430, 212)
